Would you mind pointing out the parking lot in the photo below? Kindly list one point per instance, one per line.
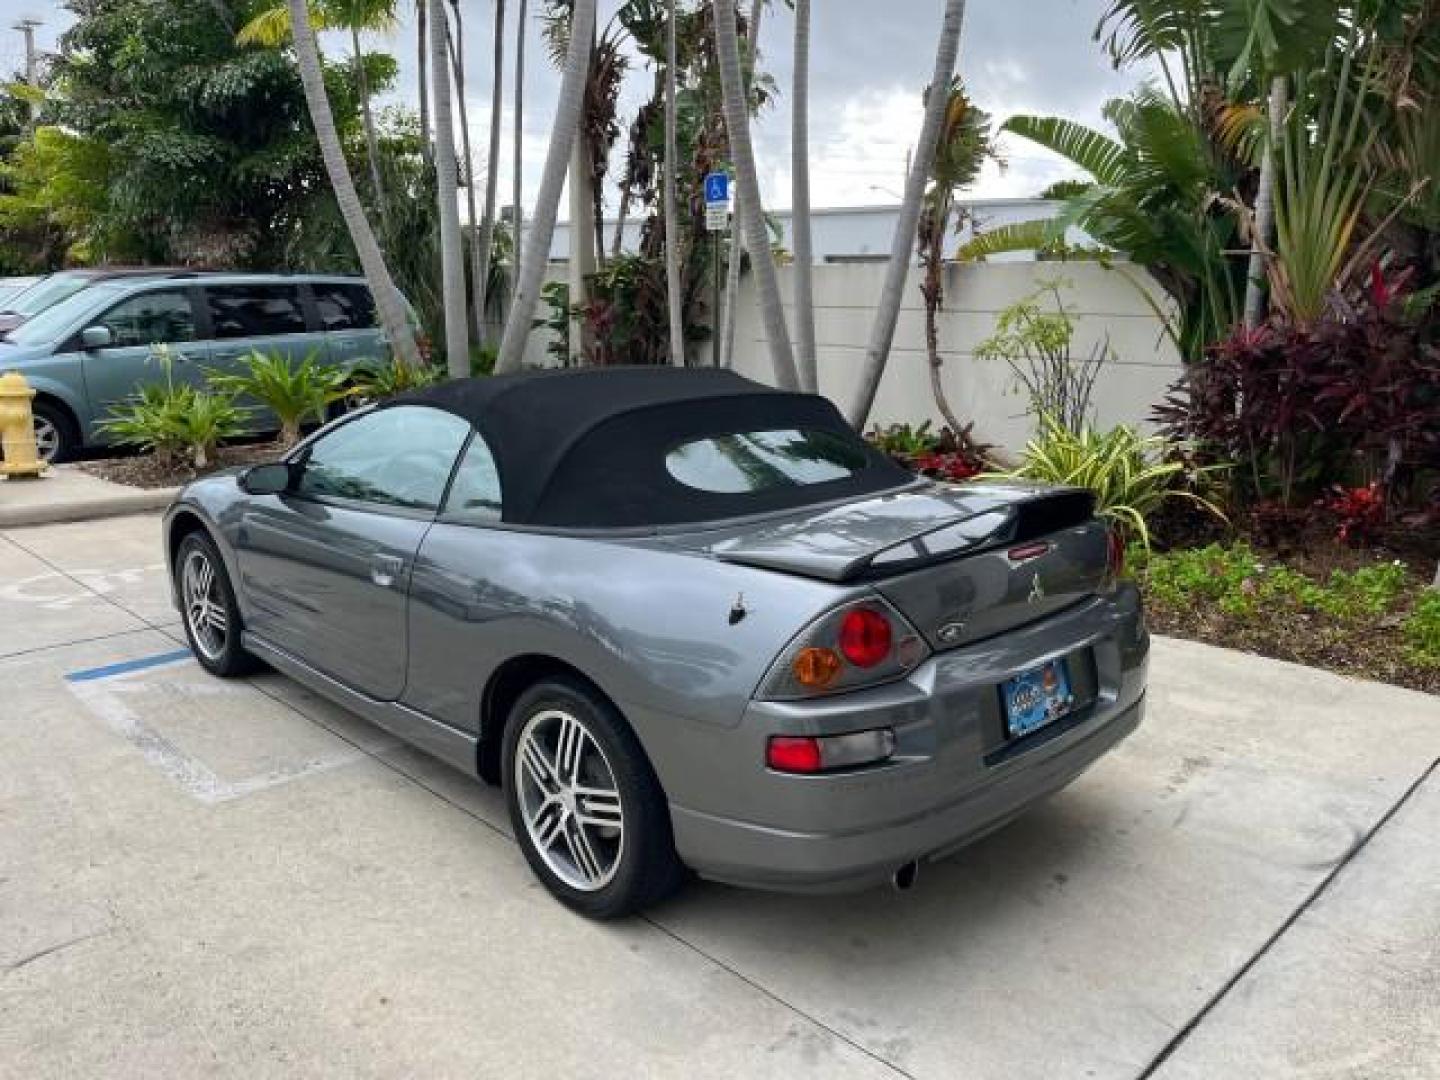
(239, 878)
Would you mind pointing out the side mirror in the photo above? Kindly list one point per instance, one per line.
(274, 478)
(96, 337)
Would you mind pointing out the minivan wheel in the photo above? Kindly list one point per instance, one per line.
(585, 805)
(56, 437)
(208, 608)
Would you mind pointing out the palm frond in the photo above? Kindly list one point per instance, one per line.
(1099, 155)
(1015, 236)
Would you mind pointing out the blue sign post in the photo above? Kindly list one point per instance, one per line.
(717, 213)
(717, 188)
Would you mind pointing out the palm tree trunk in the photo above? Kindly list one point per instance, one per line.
(552, 181)
(472, 215)
(492, 168)
(518, 220)
(1264, 209)
(452, 264)
(737, 122)
(389, 305)
(800, 203)
(672, 226)
(422, 39)
(882, 333)
(732, 268)
(367, 120)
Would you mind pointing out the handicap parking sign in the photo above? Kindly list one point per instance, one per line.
(717, 187)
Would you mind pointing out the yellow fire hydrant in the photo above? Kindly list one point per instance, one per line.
(17, 429)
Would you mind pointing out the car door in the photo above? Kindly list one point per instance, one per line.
(347, 315)
(246, 318)
(325, 569)
(139, 326)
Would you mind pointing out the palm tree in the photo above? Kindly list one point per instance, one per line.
(492, 174)
(963, 147)
(552, 181)
(452, 267)
(517, 211)
(737, 124)
(800, 201)
(271, 27)
(388, 303)
(472, 214)
(732, 269)
(674, 303)
(887, 314)
(422, 43)
(1264, 228)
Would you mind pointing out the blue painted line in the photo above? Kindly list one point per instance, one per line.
(91, 674)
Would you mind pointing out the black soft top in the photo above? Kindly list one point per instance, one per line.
(585, 447)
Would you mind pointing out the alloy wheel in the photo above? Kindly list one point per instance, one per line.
(569, 800)
(47, 438)
(204, 605)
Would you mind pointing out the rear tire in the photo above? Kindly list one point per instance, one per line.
(586, 807)
(208, 609)
(57, 436)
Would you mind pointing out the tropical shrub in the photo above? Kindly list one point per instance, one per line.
(1037, 345)
(1422, 629)
(1131, 475)
(174, 421)
(947, 455)
(376, 382)
(293, 393)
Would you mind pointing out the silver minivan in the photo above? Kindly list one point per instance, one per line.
(91, 351)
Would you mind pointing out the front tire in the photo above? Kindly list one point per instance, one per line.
(57, 437)
(208, 608)
(586, 807)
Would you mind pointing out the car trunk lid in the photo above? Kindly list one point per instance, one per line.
(960, 562)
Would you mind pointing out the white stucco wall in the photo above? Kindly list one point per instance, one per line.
(1106, 302)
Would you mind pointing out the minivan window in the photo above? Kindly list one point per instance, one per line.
(48, 292)
(152, 318)
(243, 311)
(54, 323)
(344, 307)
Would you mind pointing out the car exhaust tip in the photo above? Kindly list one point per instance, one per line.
(904, 879)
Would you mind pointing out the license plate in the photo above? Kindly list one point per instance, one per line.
(1036, 698)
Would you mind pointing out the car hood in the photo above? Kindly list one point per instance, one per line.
(843, 542)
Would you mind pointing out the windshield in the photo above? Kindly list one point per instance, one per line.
(47, 292)
(755, 461)
(54, 323)
(10, 289)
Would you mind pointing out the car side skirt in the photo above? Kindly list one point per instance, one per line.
(455, 748)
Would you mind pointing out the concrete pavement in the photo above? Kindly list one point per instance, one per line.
(241, 878)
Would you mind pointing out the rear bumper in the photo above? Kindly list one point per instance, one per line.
(755, 856)
(954, 778)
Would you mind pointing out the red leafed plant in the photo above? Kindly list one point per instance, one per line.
(1361, 510)
(953, 466)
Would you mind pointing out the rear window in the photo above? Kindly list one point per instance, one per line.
(344, 307)
(755, 461)
(244, 311)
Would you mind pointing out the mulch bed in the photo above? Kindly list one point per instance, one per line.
(148, 471)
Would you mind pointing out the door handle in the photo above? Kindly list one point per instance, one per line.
(384, 569)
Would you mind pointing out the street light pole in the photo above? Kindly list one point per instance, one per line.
(32, 60)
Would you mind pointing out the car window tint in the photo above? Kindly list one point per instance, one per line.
(475, 494)
(401, 456)
(344, 307)
(152, 318)
(241, 311)
(751, 461)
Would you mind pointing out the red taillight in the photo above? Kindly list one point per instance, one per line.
(1116, 554)
(793, 754)
(865, 637)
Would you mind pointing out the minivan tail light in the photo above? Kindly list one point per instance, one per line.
(809, 754)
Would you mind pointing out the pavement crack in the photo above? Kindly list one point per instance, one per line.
(53, 949)
(1319, 890)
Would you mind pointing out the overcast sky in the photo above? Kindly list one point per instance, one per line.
(870, 60)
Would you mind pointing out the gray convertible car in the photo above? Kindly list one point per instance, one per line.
(687, 621)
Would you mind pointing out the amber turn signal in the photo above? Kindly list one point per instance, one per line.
(816, 668)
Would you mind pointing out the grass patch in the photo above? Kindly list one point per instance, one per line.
(1375, 621)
